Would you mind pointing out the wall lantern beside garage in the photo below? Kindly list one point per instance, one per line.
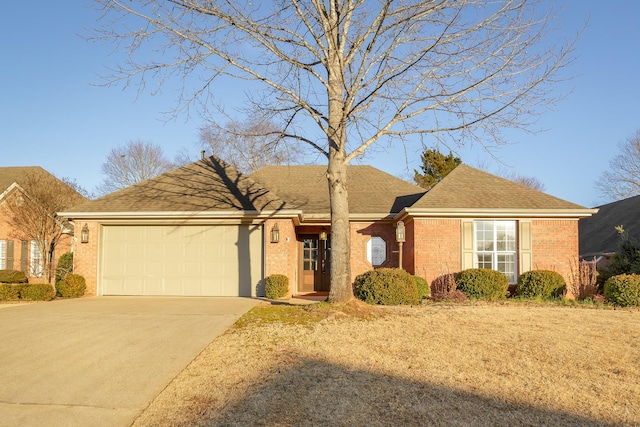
(84, 234)
(275, 234)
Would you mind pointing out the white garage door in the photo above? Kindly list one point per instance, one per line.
(192, 260)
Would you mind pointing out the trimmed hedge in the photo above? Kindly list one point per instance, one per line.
(12, 276)
(482, 283)
(37, 292)
(623, 290)
(71, 286)
(424, 288)
(9, 292)
(540, 284)
(276, 286)
(386, 286)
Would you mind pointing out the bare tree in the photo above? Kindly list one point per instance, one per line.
(622, 179)
(360, 71)
(527, 181)
(250, 144)
(132, 163)
(32, 213)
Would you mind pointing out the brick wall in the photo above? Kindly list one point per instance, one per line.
(361, 233)
(85, 258)
(555, 245)
(437, 249)
(282, 257)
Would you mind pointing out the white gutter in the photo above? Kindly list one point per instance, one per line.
(496, 213)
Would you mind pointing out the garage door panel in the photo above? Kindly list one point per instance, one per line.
(193, 260)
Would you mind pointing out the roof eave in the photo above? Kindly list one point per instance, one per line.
(160, 215)
(496, 213)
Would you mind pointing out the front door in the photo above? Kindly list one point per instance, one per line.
(315, 256)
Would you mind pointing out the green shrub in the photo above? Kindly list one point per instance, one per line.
(623, 290)
(65, 266)
(540, 284)
(424, 289)
(71, 286)
(387, 286)
(37, 292)
(482, 283)
(8, 292)
(276, 286)
(12, 276)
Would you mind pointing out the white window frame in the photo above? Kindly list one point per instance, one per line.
(3, 254)
(499, 249)
(35, 260)
(376, 251)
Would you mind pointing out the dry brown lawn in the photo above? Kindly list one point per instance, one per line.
(441, 365)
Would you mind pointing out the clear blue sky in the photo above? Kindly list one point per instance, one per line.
(53, 115)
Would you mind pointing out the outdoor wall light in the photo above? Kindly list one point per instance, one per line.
(400, 231)
(323, 234)
(84, 234)
(275, 234)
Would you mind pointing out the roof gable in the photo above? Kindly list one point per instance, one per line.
(469, 188)
(17, 175)
(204, 186)
(371, 191)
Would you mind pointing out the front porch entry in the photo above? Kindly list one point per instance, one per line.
(315, 258)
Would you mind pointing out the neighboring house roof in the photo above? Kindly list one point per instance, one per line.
(598, 234)
(371, 191)
(469, 189)
(206, 186)
(11, 175)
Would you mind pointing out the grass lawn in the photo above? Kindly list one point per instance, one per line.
(475, 364)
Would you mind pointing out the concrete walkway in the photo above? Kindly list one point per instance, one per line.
(100, 361)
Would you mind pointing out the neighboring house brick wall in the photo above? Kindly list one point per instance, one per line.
(437, 249)
(282, 257)
(555, 245)
(361, 233)
(85, 258)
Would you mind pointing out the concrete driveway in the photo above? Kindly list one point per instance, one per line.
(100, 361)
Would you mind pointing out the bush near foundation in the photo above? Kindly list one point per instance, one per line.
(71, 286)
(65, 266)
(276, 286)
(424, 288)
(12, 276)
(544, 284)
(9, 292)
(623, 290)
(386, 286)
(482, 283)
(37, 292)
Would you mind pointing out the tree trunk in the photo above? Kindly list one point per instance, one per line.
(341, 288)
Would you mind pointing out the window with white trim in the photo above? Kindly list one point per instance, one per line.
(3, 254)
(376, 251)
(35, 260)
(496, 246)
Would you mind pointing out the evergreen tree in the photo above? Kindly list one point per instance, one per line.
(435, 166)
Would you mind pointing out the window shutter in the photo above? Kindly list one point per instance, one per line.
(526, 247)
(10, 255)
(24, 256)
(467, 244)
